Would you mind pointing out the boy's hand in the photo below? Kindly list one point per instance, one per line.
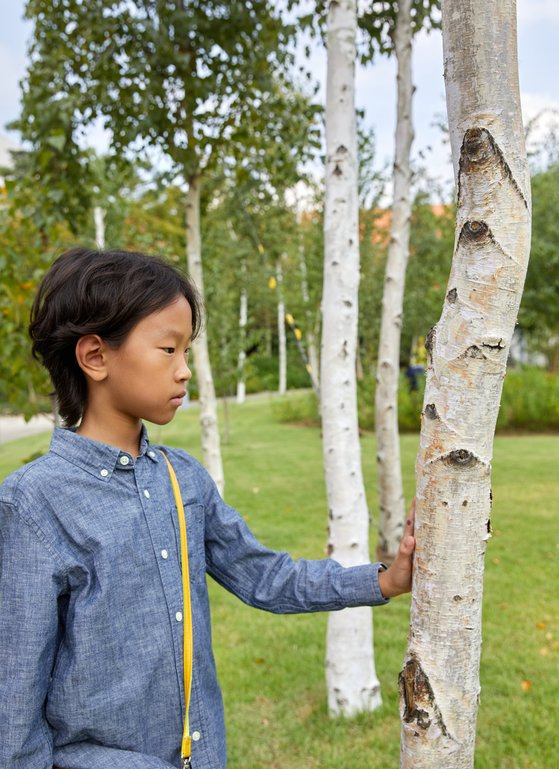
(397, 578)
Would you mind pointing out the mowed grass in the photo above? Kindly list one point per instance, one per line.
(272, 667)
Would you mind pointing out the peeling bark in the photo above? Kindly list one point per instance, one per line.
(211, 443)
(353, 686)
(391, 492)
(467, 362)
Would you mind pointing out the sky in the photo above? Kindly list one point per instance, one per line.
(538, 48)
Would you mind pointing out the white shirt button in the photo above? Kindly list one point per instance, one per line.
(196, 736)
(104, 472)
(151, 454)
(124, 460)
(178, 616)
(164, 554)
(146, 494)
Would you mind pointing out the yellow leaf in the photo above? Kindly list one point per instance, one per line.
(540, 625)
(272, 282)
(544, 651)
(526, 685)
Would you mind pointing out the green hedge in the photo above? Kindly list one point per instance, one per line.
(530, 401)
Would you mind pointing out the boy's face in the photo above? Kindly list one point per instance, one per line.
(147, 375)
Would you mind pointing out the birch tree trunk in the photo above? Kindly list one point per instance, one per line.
(99, 221)
(352, 683)
(243, 317)
(282, 341)
(211, 446)
(311, 339)
(390, 489)
(467, 358)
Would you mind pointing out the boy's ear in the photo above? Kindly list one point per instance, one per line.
(90, 354)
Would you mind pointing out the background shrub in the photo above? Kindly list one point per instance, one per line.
(530, 401)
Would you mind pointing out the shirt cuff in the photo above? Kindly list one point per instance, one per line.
(361, 585)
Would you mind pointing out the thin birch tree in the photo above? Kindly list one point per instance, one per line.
(390, 487)
(352, 683)
(282, 341)
(211, 439)
(99, 222)
(243, 319)
(467, 352)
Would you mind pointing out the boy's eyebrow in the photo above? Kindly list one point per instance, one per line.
(166, 332)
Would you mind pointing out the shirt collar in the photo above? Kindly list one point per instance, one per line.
(96, 458)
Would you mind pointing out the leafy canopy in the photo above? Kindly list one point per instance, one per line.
(197, 80)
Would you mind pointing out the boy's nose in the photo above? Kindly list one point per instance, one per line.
(184, 374)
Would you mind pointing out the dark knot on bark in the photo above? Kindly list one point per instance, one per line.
(475, 232)
(477, 148)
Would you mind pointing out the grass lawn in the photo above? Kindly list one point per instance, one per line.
(272, 667)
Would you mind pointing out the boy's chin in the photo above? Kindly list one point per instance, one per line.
(161, 420)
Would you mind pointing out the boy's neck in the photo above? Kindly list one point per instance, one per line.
(120, 433)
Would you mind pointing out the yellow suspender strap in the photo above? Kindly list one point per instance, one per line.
(187, 617)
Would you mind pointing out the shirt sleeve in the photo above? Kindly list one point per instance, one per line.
(272, 580)
(30, 585)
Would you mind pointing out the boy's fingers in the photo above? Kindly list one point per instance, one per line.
(408, 544)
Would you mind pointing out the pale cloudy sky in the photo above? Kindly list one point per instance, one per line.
(538, 44)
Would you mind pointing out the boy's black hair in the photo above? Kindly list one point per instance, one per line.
(98, 292)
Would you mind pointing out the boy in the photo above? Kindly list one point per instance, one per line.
(91, 612)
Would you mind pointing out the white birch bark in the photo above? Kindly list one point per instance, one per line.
(243, 317)
(390, 488)
(99, 220)
(352, 683)
(211, 446)
(467, 359)
(282, 341)
(311, 339)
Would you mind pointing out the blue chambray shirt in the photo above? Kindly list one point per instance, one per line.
(91, 601)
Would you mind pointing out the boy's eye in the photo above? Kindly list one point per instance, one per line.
(169, 350)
